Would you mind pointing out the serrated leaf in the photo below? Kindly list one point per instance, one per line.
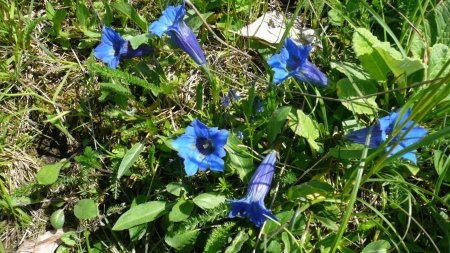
(179, 241)
(85, 209)
(141, 214)
(348, 90)
(129, 158)
(276, 122)
(49, 173)
(128, 11)
(240, 159)
(209, 200)
(380, 246)
(181, 211)
(118, 88)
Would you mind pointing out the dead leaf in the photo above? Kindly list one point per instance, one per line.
(44, 243)
(271, 26)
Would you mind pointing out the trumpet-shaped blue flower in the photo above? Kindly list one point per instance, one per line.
(385, 127)
(293, 61)
(113, 47)
(171, 23)
(201, 147)
(252, 206)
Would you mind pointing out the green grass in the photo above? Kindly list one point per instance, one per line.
(114, 128)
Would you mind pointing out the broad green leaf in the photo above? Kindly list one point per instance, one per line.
(399, 65)
(309, 190)
(351, 70)
(209, 200)
(237, 242)
(176, 188)
(272, 226)
(306, 127)
(290, 245)
(128, 11)
(137, 232)
(49, 173)
(129, 158)
(85, 209)
(180, 241)
(57, 219)
(439, 55)
(240, 159)
(181, 211)
(141, 214)
(370, 59)
(380, 246)
(138, 40)
(378, 58)
(348, 90)
(276, 123)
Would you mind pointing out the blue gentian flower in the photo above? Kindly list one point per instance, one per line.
(201, 147)
(171, 23)
(258, 104)
(386, 126)
(252, 206)
(113, 47)
(293, 61)
(231, 94)
(240, 135)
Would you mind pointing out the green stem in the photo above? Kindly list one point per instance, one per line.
(351, 202)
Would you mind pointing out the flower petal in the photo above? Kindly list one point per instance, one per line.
(212, 162)
(298, 54)
(308, 72)
(359, 136)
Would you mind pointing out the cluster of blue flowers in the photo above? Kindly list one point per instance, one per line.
(203, 148)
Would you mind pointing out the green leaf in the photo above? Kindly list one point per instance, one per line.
(129, 158)
(209, 200)
(83, 15)
(49, 173)
(180, 241)
(371, 60)
(85, 209)
(439, 55)
(117, 88)
(176, 188)
(128, 11)
(330, 224)
(276, 123)
(378, 58)
(240, 159)
(181, 211)
(380, 246)
(60, 16)
(335, 17)
(140, 214)
(272, 226)
(57, 219)
(138, 40)
(237, 242)
(310, 190)
(50, 11)
(348, 90)
(437, 25)
(306, 127)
